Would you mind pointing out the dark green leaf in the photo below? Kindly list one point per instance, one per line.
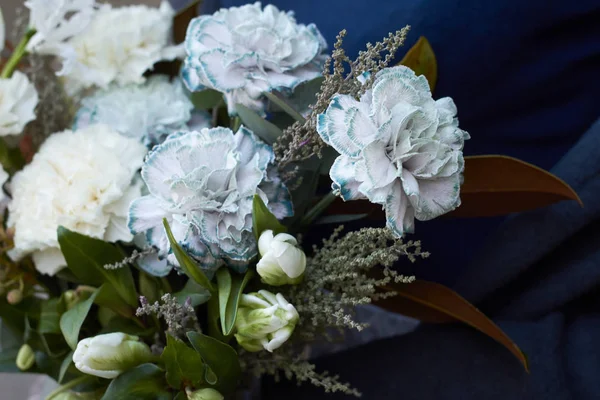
(65, 366)
(149, 287)
(206, 99)
(263, 219)
(86, 258)
(210, 376)
(186, 263)
(51, 310)
(230, 291)
(183, 364)
(109, 298)
(181, 396)
(144, 382)
(261, 127)
(221, 358)
(214, 329)
(196, 293)
(120, 324)
(9, 338)
(280, 101)
(305, 94)
(8, 358)
(11, 158)
(72, 320)
(339, 219)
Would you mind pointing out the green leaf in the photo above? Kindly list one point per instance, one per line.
(214, 329)
(86, 258)
(230, 291)
(196, 293)
(305, 94)
(181, 396)
(221, 358)
(206, 99)
(120, 324)
(149, 287)
(109, 298)
(8, 358)
(51, 310)
(261, 127)
(144, 382)
(281, 102)
(339, 219)
(186, 263)
(263, 219)
(11, 158)
(183, 364)
(72, 320)
(9, 338)
(421, 59)
(65, 366)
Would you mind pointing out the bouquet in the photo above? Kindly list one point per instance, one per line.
(163, 173)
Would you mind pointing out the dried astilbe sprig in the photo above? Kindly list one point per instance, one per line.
(135, 255)
(338, 277)
(301, 141)
(180, 318)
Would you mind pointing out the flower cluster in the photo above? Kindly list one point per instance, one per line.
(398, 147)
(81, 180)
(246, 51)
(203, 183)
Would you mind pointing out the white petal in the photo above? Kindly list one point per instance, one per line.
(264, 242)
(49, 261)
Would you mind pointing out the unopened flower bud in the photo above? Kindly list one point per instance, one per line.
(205, 394)
(282, 262)
(108, 355)
(264, 321)
(14, 296)
(25, 358)
(71, 298)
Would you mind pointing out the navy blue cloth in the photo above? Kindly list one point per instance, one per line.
(522, 73)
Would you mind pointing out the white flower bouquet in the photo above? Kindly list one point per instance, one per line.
(152, 240)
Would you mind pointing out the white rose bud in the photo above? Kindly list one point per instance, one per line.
(282, 262)
(205, 394)
(108, 355)
(264, 321)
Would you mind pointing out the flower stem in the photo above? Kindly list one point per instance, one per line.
(281, 103)
(318, 209)
(68, 385)
(16, 56)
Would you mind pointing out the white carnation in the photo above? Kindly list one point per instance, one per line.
(81, 180)
(121, 44)
(18, 99)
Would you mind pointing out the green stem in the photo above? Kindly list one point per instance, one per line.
(318, 209)
(68, 386)
(16, 56)
(236, 123)
(281, 103)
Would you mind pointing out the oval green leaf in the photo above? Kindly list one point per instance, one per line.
(263, 219)
(144, 382)
(230, 292)
(260, 126)
(182, 363)
(72, 320)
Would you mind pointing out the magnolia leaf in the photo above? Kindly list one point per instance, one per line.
(263, 219)
(221, 358)
(196, 293)
(421, 59)
(86, 258)
(500, 185)
(72, 320)
(493, 185)
(144, 382)
(182, 20)
(230, 292)
(68, 360)
(261, 127)
(50, 313)
(206, 99)
(186, 263)
(432, 302)
(183, 364)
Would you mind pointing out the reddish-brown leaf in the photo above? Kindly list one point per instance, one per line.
(432, 302)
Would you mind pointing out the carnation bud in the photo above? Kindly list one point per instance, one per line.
(282, 262)
(15, 296)
(205, 394)
(264, 321)
(71, 298)
(25, 358)
(108, 355)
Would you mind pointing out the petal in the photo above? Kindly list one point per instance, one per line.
(398, 211)
(49, 261)
(145, 213)
(437, 197)
(342, 174)
(264, 242)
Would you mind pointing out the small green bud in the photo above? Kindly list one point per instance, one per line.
(71, 298)
(15, 296)
(25, 357)
(205, 394)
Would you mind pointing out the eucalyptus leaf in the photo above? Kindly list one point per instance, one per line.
(65, 366)
(51, 311)
(261, 127)
(263, 219)
(183, 364)
(339, 219)
(144, 382)
(196, 293)
(230, 292)
(221, 358)
(206, 99)
(86, 258)
(186, 263)
(72, 320)
(280, 101)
